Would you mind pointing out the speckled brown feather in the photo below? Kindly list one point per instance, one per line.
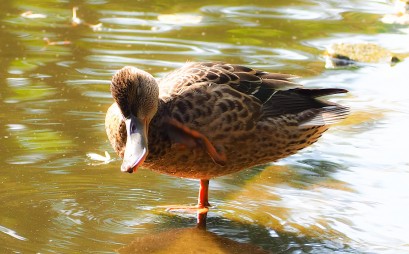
(251, 117)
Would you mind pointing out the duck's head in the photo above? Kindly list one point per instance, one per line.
(136, 93)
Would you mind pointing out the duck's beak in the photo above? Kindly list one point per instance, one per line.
(136, 148)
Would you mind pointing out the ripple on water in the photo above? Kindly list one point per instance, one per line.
(18, 82)
(23, 90)
(37, 145)
(394, 42)
(120, 61)
(90, 88)
(322, 11)
(177, 49)
(149, 22)
(135, 25)
(149, 45)
(76, 216)
(68, 210)
(12, 233)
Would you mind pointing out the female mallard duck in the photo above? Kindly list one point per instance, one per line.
(211, 119)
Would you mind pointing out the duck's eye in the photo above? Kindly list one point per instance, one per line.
(133, 127)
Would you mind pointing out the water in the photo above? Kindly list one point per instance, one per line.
(345, 194)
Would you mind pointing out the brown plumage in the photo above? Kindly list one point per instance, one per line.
(212, 119)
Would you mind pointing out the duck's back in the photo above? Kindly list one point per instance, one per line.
(215, 119)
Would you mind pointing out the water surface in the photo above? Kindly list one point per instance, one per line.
(346, 194)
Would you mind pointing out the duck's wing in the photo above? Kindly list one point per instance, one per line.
(246, 80)
(280, 96)
(277, 93)
(216, 101)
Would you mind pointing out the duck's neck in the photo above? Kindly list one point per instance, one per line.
(159, 141)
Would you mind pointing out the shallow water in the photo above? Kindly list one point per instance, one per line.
(346, 193)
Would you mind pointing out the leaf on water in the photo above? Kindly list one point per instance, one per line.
(96, 157)
(31, 15)
(180, 19)
(97, 27)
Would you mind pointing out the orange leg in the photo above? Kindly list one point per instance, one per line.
(203, 204)
(203, 199)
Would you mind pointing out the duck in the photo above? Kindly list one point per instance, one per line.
(209, 119)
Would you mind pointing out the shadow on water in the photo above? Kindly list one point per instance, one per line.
(192, 239)
(303, 173)
(174, 235)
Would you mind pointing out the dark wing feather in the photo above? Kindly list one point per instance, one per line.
(323, 116)
(259, 84)
(276, 92)
(320, 92)
(304, 102)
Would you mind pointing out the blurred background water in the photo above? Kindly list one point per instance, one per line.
(345, 194)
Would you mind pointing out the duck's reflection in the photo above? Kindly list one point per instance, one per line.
(201, 220)
(189, 240)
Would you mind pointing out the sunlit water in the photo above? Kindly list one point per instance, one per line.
(346, 194)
